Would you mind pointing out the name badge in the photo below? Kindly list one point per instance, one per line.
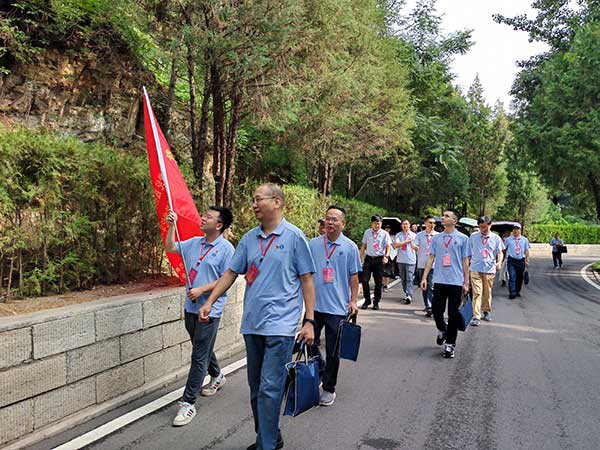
(485, 253)
(446, 260)
(327, 274)
(404, 247)
(376, 246)
(251, 274)
(192, 275)
(518, 250)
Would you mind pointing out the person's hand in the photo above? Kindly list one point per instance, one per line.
(385, 259)
(195, 293)
(498, 267)
(172, 217)
(307, 334)
(466, 288)
(204, 312)
(423, 284)
(526, 263)
(353, 308)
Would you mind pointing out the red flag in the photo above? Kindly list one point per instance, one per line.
(170, 190)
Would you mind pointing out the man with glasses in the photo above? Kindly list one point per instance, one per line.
(517, 255)
(423, 242)
(376, 243)
(337, 265)
(278, 268)
(406, 259)
(206, 258)
(450, 251)
(486, 259)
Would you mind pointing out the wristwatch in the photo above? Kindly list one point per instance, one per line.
(311, 321)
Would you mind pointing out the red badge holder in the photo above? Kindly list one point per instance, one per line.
(446, 260)
(328, 274)
(251, 274)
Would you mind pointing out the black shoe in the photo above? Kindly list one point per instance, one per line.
(518, 295)
(277, 446)
(503, 283)
(365, 305)
(448, 351)
(429, 312)
(375, 306)
(441, 338)
(407, 301)
(512, 297)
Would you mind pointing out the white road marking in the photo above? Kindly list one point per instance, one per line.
(585, 276)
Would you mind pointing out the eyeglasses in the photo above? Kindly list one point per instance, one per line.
(259, 199)
(206, 217)
(431, 222)
(332, 219)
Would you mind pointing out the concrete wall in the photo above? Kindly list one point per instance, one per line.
(60, 362)
(574, 250)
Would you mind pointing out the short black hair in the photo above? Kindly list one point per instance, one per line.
(484, 219)
(225, 216)
(339, 208)
(455, 212)
(376, 218)
(428, 217)
(321, 220)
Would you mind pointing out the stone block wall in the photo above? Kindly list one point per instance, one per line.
(56, 363)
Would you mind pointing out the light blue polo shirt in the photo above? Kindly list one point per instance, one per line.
(423, 244)
(215, 262)
(408, 255)
(511, 245)
(555, 243)
(273, 302)
(376, 242)
(458, 249)
(333, 298)
(493, 246)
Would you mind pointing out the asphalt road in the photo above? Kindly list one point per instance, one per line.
(527, 380)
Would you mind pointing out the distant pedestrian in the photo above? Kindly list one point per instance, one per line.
(337, 263)
(414, 228)
(423, 241)
(375, 249)
(486, 260)
(517, 255)
(389, 269)
(321, 226)
(406, 259)
(557, 244)
(450, 251)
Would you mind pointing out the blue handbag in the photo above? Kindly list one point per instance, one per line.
(302, 383)
(466, 313)
(349, 338)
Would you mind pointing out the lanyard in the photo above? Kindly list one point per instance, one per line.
(202, 256)
(517, 242)
(263, 253)
(375, 235)
(447, 244)
(429, 238)
(327, 254)
(484, 241)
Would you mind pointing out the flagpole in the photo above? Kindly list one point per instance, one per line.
(163, 172)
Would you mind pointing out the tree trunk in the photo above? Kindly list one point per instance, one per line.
(170, 95)
(349, 185)
(198, 160)
(230, 150)
(218, 134)
(595, 183)
(192, 90)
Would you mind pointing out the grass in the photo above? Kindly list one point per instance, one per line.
(596, 266)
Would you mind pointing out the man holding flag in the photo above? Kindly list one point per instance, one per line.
(207, 259)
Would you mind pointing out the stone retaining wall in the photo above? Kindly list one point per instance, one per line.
(592, 250)
(58, 362)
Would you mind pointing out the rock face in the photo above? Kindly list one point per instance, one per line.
(92, 98)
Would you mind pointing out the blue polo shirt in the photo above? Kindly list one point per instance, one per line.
(512, 244)
(215, 260)
(333, 298)
(273, 302)
(406, 255)
(458, 249)
(423, 241)
(376, 242)
(492, 244)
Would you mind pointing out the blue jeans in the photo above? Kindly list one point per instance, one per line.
(407, 274)
(516, 267)
(267, 357)
(331, 323)
(427, 294)
(203, 336)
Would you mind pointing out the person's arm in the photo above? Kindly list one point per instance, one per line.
(170, 246)
(221, 286)
(499, 259)
(196, 293)
(386, 253)
(467, 272)
(428, 266)
(363, 247)
(353, 307)
(307, 332)
(527, 257)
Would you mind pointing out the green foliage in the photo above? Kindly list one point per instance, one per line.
(596, 266)
(571, 234)
(73, 215)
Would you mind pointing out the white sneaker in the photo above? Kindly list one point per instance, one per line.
(185, 414)
(215, 384)
(327, 398)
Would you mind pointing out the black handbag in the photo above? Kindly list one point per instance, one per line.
(562, 249)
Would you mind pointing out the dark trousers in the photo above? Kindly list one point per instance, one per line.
(516, 267)
(203, 336)
(557, 259)
(452, 294)
(372, 265)
(331, 323)
(428, 293)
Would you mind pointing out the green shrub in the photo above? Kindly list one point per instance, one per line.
(571, 234)
(596, 266)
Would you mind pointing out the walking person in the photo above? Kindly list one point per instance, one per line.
(406, 259)
(278, 268)
(486, 260)
(557, 243)
(376, 243)
(423, 241)
(337, 264)
(389, 269)
(517, 256)
(207, 257)
(450, 251)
